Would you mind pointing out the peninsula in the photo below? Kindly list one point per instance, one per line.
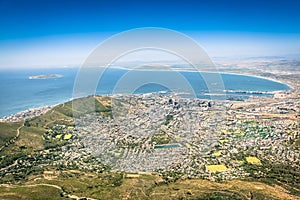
(46, 76)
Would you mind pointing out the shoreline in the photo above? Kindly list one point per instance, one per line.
(219, 72)
(27, 114)
(36, 111)
(267, 78)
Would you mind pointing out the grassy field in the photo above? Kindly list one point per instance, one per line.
(253, 160)
(216, 168)
(8, 131)
(30, 192)
(31, 134)
(235, 189)
(117, 186)
(64, 113)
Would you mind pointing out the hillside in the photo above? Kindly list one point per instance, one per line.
(43, 156)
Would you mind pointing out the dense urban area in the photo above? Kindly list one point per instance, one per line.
(154, 141)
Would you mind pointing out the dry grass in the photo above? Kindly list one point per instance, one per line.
(253, 160)
(216, 168)
(144, 187)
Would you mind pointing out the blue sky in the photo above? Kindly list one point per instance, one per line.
(39, 32)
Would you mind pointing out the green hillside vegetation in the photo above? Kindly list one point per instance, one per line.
(161, 138)
(31, 138)
(276, 174)
(118, 186)
(8, 131)
(65, 112)
(33, 193)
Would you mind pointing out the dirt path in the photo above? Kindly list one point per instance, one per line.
(18, 130)
(9, 166)
(13, 140)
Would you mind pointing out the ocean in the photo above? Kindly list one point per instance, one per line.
(19, 93)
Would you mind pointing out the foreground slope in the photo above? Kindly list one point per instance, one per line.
(34, 160)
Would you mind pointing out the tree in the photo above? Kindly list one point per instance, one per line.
(26, 123)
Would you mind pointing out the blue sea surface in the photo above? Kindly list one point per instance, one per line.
(19, 93)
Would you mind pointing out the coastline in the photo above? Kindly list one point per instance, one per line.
(263, 77)
(36, 111)
(27, 114)
(220, 72)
